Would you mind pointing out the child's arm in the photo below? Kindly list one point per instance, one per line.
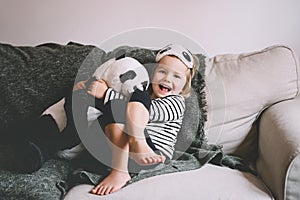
(80, 85)
(98, 89)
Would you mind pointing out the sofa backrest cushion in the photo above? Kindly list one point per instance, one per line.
(239, 87)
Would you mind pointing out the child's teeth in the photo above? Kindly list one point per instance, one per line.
(164, 89)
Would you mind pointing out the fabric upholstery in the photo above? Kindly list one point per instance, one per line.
(239, 87)
(33, 78)
(39, 185)
(208, 182)
(279, 146)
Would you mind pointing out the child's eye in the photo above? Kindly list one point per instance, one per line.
(162, 71)
(177, 76)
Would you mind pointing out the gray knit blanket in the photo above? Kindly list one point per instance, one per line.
(33, 78)
(192, 150)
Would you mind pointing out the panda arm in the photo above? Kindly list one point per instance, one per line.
(166, 109)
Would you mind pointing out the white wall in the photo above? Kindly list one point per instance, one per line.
(219, 26)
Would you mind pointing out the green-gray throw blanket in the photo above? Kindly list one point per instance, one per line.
(192, 150)
(33, 78)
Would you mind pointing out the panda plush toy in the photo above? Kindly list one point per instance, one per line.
(123, 74)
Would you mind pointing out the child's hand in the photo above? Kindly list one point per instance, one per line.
(98, 89)
(79, 86)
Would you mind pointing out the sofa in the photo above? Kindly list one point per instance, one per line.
(250, 112)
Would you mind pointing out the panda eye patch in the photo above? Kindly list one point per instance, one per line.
(186, 56)
(164, 50)
(129, 75)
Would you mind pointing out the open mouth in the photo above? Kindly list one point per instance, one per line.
(164, 88)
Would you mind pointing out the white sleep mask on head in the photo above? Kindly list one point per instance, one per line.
(180, 52)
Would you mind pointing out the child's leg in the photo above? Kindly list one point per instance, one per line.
(113, 125)
(118, 175)
(137, 119)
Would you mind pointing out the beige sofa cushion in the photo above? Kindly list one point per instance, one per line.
(209, 182)
(241, 86)
(279, 149)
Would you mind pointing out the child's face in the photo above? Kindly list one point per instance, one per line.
(169, 77)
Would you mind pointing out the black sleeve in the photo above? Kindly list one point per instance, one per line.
(141, 96)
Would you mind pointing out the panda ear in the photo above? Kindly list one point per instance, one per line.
(120, 54)
(145, 84)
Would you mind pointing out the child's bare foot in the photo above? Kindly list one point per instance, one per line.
(142, 154)
(112, 183)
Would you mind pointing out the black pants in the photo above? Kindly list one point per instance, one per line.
(39, 130)
(44, 132)
(114, 111)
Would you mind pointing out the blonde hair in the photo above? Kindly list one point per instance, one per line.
(186, 91)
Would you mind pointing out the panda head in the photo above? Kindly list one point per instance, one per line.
(126, 74)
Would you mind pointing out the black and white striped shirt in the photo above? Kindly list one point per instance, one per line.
(165, 120)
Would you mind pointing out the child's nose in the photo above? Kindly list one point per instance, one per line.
(168, 78)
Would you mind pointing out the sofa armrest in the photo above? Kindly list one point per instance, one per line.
(278, 161)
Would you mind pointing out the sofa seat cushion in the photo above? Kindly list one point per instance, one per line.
(214, 183)
(239, 87)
